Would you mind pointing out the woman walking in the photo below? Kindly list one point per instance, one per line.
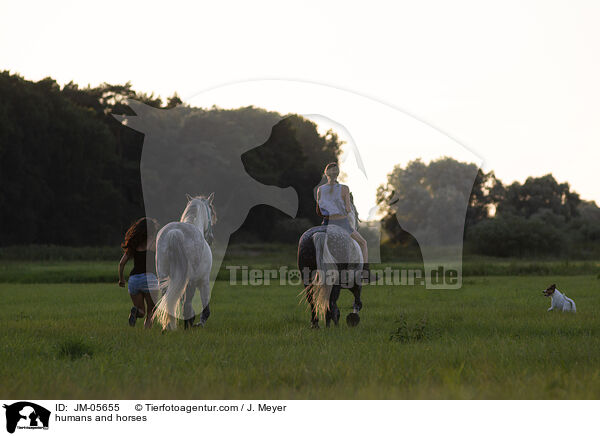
(139, 245)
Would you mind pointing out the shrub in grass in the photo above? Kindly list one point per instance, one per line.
(74, 349)
(407, 333)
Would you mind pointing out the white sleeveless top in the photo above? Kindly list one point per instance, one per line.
(330, 200)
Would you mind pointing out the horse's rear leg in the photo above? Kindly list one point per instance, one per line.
(314, 320)
(356, 291)
(353, 318)
(188, 310)
(205, 314)
(333, 313)
(204, 287)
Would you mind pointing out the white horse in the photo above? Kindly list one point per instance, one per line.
(184, 262)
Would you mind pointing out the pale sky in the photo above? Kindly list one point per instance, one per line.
(516, 82)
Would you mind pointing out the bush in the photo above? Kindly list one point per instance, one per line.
(511, 235)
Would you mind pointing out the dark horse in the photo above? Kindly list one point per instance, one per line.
(329, 260)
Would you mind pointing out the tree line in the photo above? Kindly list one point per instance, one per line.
(537, 218)
(70, 175)
(70, 172)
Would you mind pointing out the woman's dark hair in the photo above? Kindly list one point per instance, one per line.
(138, 233)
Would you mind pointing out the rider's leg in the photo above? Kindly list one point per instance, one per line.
(363, 245)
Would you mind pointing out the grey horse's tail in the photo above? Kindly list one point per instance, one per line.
(168, 308)
(320, 287)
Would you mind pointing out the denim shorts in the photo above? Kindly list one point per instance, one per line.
(341, 222)
(145, 282)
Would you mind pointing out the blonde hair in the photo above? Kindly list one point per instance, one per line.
(331, 165)
(327, 167)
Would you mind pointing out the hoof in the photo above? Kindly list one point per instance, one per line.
(336, 317)
(352, 319)
(314, 325)
(199, 324)
(188, 323)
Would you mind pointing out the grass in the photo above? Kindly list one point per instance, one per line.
(87, 271)
(58, 264)
(491, 339)
(15, 271)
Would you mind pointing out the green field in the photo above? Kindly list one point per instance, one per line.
(491, 339)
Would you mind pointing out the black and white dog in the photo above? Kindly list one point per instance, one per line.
(559, 300)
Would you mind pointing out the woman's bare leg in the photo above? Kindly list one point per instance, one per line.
(149, 310)
(363, 245)
(138, 302)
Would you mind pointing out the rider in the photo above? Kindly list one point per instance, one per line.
(334, 205)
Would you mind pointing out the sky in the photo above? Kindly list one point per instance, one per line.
(515, 83)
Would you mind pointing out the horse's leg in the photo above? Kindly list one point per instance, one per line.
(334, 307)
(188, 310)
(205, 314)
(314, 320)
(333, 312)
(353, 318)
(356, 290)
(204, 287)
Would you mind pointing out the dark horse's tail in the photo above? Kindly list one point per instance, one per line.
(321, 285)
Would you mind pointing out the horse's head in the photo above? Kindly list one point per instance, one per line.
(200, 211)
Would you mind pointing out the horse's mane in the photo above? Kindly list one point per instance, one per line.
(191, 210)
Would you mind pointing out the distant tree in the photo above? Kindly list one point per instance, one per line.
(413, 195)
(539, 193)
(173, 101)
(69, 172)
(57, 168)
(584, 231)
(538, 218)
(69, 175)
(487, 193)
(294, 155)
